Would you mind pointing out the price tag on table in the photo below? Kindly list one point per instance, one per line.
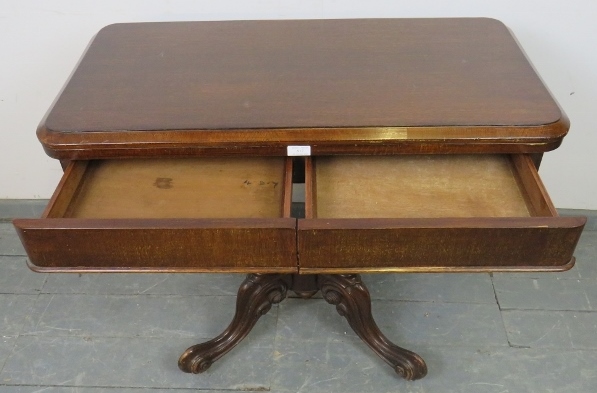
(298, 151)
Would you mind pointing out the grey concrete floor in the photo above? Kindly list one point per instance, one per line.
(99, 333)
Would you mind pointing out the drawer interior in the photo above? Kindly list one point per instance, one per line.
(205, 187)
(425, 186)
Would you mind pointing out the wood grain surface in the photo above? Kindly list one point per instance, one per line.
(417, 186)
(440, 244)
(205, 187)
(160, 245)
(239, 87)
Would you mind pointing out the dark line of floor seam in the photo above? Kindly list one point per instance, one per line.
(257, 389)
(402, 343)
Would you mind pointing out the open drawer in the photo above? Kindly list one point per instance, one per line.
(431, 213)
(175, 214)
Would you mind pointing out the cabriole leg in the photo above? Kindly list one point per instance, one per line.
(351, 298)
(255, 298)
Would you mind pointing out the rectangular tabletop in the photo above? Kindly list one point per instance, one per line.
(373, 86)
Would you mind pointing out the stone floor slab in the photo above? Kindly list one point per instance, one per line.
(22, 208)
(463, 288)
(14, 311)
(335, 367)
(6, 345)
(402, 322)
(78, 389)
(551, 329)
(523, 293)
(9, 241)
(199, 317)
(144, 284)
(442, 323)
(131, 362)
(71, 389)
(510, 370)
(16, 278)
(586, 255)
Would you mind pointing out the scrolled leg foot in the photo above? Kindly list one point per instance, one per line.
(255, 297)
(351, 298)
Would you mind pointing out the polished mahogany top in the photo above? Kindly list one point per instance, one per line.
(375, 86)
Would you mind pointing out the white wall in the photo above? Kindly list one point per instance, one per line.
(40, 42)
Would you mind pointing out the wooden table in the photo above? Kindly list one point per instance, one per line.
(418, 141)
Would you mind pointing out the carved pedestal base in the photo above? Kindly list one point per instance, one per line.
(347, 292)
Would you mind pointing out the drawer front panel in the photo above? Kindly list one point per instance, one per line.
(181, 245)
(418, 245)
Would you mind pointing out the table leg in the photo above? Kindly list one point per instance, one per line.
(255, 297)
(351, 298)
(346, 291)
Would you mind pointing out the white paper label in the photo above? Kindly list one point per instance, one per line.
(293, 151)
